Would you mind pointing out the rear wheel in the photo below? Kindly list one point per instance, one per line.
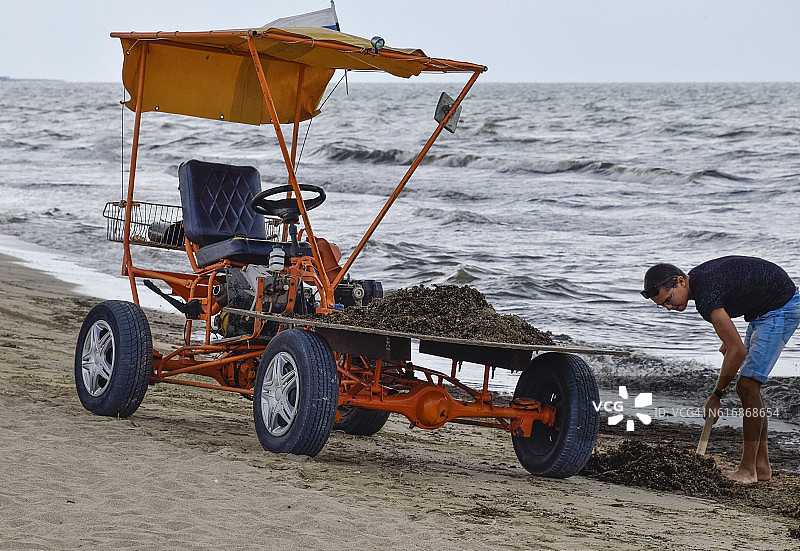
(113, 359)
(296, 393)
(566, 382)
(361, 421)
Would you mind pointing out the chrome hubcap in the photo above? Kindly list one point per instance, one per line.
(98, 358)
(280, 391)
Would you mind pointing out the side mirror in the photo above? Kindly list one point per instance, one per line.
(442, 108)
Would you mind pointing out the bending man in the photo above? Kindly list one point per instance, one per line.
(726, 288)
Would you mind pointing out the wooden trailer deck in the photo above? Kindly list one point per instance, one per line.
(396, 345)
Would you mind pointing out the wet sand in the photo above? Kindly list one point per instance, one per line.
(187, 470)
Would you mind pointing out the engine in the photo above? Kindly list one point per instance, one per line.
(282, 293)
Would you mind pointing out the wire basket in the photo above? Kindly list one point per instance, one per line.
(157, 225)
(152, 224)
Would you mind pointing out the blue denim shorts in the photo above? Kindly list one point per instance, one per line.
(766, 336)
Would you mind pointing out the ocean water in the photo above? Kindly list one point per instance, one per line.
(552, 199)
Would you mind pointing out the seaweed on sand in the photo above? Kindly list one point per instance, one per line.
(664, 467)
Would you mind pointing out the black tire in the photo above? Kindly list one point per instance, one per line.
(302, 422)
(361, 421)
(565, 381)
(113, 359)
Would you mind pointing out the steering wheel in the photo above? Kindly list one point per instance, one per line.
(286, 209)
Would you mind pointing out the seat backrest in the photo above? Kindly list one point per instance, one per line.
(216, 202)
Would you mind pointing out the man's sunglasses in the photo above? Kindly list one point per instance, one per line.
(652, 291)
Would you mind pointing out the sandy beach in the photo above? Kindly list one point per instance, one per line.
(186, 470)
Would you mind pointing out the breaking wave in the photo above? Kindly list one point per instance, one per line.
(363, 155)
(616, 172)
(607, 170)
(336, 152)
(446, 217)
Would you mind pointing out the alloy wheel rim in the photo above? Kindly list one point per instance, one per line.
(280, 392)
(98, 358)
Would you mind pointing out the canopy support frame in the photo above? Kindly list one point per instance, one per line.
(295, 131)
(326, 284)
(326, 293)
(127, 260)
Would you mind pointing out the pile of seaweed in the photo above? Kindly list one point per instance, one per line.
(663, 467)
(442, 310)
(669, 468)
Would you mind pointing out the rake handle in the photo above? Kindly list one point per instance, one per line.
(701, 446)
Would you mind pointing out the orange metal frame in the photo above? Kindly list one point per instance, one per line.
(364, 382)
(393, 386)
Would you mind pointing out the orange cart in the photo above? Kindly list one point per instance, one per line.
(254, 258)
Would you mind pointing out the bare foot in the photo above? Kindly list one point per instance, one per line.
(742, 476)
(763, 472)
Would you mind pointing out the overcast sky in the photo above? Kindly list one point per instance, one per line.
(520, 41)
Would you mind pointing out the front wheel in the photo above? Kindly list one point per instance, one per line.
(567, 383)
(296, 393)
(113, 359)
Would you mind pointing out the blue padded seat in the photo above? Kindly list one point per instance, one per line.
(217, 215)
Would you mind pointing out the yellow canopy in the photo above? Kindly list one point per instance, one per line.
(212, 75)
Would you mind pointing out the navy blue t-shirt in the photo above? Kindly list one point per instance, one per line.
(743, 285)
